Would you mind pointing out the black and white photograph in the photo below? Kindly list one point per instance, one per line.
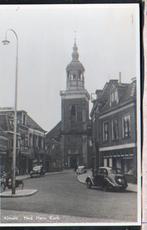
(70, 111)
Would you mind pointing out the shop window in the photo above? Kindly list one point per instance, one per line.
(114, 163)
(105, 131)
(126, 126)
(115, 130)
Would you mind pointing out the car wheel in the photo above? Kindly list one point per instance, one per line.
(89, 184)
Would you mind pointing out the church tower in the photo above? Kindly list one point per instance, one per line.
(75, 114)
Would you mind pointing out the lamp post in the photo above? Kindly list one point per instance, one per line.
(6, 42)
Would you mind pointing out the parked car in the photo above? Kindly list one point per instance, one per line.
(81, 170)
(37, 170)
(107, 179)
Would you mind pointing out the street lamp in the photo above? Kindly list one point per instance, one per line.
(6, 42)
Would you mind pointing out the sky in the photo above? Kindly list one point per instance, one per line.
(107, 37)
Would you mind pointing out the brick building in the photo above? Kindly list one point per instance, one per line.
(30, 140)
(74, 114)
(114, 126)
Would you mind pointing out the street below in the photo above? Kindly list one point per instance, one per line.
(63, 194)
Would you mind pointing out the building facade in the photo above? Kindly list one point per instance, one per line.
(30, 148)
(114, 126)
(53, 148)
(74, 115)
(3, 150)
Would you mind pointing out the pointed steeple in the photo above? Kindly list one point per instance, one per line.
(75, 71)
(75, 54)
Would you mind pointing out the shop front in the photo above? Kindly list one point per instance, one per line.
(124, 159)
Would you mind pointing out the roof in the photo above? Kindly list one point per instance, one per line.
(6, 113)
(33, 124)
(126, 93)
(55, 132)
(75, 64)
(4, 122)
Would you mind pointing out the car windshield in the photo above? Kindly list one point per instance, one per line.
(81, 167)
(115, 171)
(37, 167)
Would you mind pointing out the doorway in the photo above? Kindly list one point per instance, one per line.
(73, 162)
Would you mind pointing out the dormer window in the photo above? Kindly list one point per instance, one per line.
(114, 97)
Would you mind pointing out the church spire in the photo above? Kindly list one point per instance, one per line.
(75, 54)
(75, 71)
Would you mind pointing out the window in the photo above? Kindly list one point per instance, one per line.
(73, 110)
(30, 140)
(73, 115)
(114, 97)
(79, 116)
(115, 134)
(74, 76)
(126, 126)
(105, 131)
(79, 77)
(23, 119)
(11, 122)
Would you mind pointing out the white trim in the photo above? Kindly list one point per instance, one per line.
(105, 138)
(117, 110)
(72, 94)
(75, 96)
(124, 146)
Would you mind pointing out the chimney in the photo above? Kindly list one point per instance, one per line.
(119, 81)
(98, 93)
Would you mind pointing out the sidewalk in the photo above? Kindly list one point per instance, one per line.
(24, 177)
(81, 178)
(18, 193)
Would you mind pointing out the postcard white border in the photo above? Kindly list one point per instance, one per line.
(138, 77)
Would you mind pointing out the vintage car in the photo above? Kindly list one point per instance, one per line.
(107, 179)
(37, 170)
(81, 170)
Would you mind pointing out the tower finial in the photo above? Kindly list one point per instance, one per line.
(75, 54)
(75, 36)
